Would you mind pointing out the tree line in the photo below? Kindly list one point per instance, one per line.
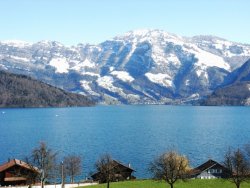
(170, 166)
(45, 160)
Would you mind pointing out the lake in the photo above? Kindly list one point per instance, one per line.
(131, 134)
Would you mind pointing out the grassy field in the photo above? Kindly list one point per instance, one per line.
(217, 183)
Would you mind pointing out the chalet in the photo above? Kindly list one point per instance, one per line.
(121, 172)
(17, 172)
(210, 170)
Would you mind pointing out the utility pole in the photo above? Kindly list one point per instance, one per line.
(62, 174)
(42, 178)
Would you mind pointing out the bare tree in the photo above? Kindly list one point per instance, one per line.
(45, 159)
(237, 165)
(170, 167)
(73, 166)
(106, 169)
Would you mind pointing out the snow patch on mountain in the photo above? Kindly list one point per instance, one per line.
(74, 61)
(219, 46)
(201, 71)
(60, 63)
(20, 58)
(161, 79)
(80, 66)
(111, 68)
(229, 54)
(158, 55)
(222, 44)
(187, 82)
(208, 59)
(90, 74)
(107, 83)
(86, 86)
(198, 72)
(173, 58)
(76, 65)
(3, 67)
(87, 63)
(122, 75)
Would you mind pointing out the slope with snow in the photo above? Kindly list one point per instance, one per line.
(122, 75)
(162, 79)
(60, 64)
(141, 66)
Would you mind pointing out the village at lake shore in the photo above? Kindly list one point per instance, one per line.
(42, 170)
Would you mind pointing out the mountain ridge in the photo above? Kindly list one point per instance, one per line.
(139, 67)
(138, 31)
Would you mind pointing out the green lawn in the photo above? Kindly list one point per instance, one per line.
(217, 183)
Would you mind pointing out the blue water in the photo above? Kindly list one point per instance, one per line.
(131, 134)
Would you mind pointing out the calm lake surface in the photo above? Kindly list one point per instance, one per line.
(131, 134)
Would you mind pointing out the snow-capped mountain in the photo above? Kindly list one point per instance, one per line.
(142, 66)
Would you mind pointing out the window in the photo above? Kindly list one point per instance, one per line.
(218, 171)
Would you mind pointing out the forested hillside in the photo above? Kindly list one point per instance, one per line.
(237, 94)
(23, 91)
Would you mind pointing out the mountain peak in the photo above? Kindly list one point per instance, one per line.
(143, 32)
(147, 35)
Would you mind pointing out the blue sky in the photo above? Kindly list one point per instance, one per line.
(93, 21)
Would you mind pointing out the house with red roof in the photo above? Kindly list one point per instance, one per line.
(17, 172)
